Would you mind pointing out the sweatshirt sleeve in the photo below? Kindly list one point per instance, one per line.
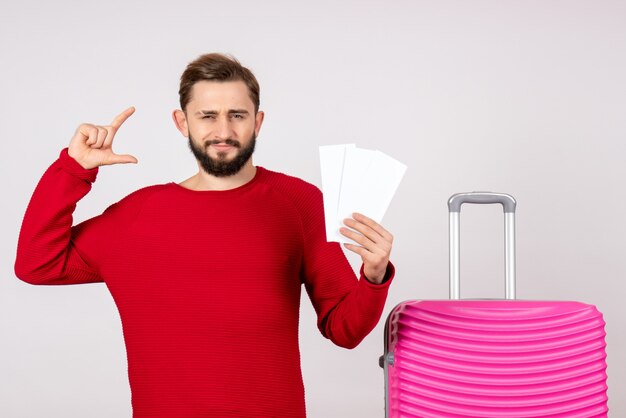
(48, 250)
(347, 309)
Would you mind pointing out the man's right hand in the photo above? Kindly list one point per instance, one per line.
(91, 145)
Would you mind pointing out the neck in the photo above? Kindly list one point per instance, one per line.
(205, 181)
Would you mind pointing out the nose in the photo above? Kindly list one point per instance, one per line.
(223, 129)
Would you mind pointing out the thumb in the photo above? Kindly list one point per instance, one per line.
(121, 159)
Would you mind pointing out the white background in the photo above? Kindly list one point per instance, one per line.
(524, 97)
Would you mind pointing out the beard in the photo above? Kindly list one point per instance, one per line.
(220, 166)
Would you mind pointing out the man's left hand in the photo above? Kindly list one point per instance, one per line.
(374, 245)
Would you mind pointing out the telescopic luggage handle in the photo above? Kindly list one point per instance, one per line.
(508, 204)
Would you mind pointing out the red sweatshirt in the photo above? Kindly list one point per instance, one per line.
(207, 284)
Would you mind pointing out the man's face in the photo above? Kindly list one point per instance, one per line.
(221, 125)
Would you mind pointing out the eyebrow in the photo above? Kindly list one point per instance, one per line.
(215, 112)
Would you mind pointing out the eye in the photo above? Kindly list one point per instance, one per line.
(237, 116)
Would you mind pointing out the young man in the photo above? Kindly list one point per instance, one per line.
(207, 273)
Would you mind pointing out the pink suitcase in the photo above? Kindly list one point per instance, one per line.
(493, 358)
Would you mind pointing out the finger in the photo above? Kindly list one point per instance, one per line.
(362, 229)
(102, 135)
(121, 118)
(372, 235)
(362, 252)
(358, 238)
(373, 225)
(89, 133)
(109, 138)
(121, 159)
(367, 237)
(369, 259)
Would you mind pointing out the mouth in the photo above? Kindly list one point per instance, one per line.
(222, 147)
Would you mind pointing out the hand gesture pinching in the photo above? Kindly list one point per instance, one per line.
(91, 145)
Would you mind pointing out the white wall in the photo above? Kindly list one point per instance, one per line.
(526, 97)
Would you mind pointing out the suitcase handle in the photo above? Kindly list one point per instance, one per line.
(508, 204)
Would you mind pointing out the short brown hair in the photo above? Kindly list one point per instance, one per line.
(217, 67)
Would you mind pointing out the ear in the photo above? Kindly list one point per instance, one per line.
(180, 120)
(258, 121)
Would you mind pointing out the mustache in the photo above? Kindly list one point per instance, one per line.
(231, 142)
